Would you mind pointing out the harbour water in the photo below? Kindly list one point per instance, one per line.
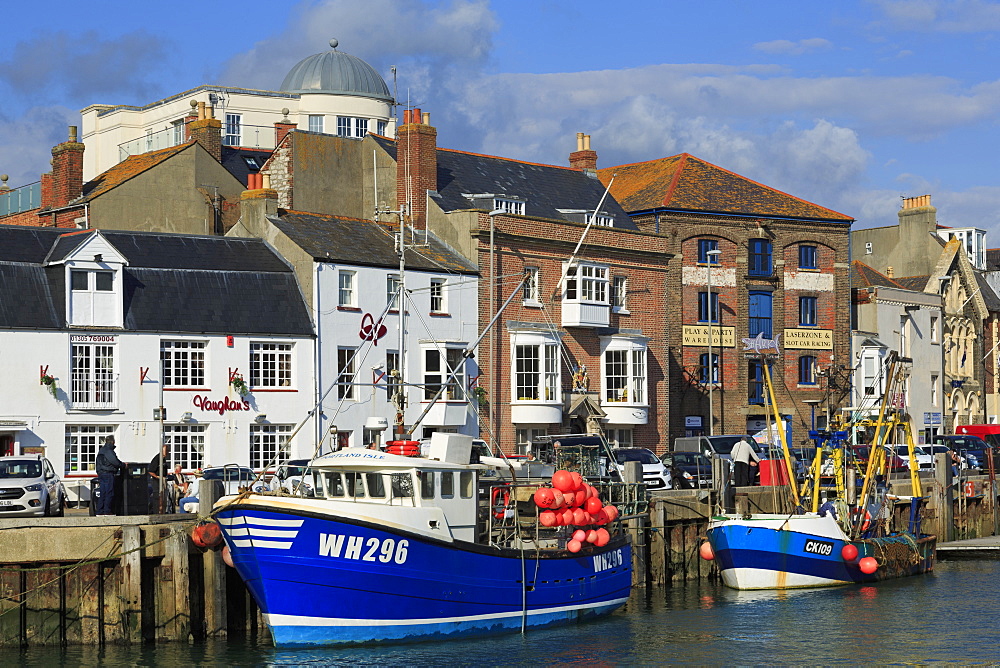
(945, 617)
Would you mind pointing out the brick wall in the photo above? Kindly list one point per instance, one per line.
(830, 284)
(522, 242)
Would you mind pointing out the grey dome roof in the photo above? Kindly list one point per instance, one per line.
(335, 72)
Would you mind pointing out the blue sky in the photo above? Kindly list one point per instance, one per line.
(849, 104)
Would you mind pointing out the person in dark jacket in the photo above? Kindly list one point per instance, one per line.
(108, 466)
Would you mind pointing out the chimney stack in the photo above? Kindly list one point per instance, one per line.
(416, 165)
(282, 127)
(66, 182)
(207, 131)
(583, 158)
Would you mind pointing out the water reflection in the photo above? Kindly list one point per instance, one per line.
(944, 617)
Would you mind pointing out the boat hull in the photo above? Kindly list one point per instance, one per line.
(324, 580)
(781, 552)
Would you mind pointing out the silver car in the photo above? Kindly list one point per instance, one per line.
(30, 487)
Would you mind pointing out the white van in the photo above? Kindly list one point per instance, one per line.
(654, 473)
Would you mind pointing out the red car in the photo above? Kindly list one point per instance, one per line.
(859, 454)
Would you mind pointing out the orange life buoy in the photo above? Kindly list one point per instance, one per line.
(498, 510)
(865, 519)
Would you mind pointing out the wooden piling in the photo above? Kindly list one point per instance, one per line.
(177, 626)
(213, 568)
(131, 584)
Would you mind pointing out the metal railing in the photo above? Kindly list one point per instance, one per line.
(249, 136)
(21, 199)
(87, 393)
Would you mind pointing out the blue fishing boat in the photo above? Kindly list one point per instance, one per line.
(393, 548)
(766, 551)
(840, 545)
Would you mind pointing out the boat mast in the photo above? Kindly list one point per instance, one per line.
(398, 398)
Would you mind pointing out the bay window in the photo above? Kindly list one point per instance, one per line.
(624, 371)
(536, 372)
(439, 365)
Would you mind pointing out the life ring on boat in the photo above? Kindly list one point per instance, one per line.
(499, 511)
(865, 519)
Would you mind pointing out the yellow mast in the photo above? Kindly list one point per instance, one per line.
(781, 433)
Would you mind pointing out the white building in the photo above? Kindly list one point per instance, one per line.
(890, 317)
(331, 92)
(349, 270)
(98, 330)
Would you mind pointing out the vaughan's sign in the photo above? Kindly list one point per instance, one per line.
(220, 407)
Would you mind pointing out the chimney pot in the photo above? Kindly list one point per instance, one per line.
(583, 158)
(426, 118)
(72, 133)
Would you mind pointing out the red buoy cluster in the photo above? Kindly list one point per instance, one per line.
(572, 502)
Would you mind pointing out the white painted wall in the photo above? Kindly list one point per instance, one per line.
(340, 327)
(102, 133)
(24, 354)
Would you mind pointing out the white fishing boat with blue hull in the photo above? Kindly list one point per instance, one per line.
(764, 551)
(399, 549)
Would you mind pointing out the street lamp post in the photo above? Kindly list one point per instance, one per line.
(713, 256)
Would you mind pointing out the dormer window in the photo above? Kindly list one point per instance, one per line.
(588, 216)
(511, 206)
(94, 272)
(93, 298)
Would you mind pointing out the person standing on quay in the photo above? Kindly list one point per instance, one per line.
(108, 466)
(744, 456)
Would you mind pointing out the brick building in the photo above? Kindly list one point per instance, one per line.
(582, 344)
(746, 261)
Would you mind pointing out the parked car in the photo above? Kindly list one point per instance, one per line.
(234, 480)
(291, 478)
(924, 459)
(654, 473)
(695, 464)
(973, 448)
(988, 432)
(934, 450)
(858, 456)
(30, 487)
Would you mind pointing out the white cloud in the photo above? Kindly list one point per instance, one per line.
(27, 142)
(946, 16)
(424, 41)
(81, 66)
(784, 46)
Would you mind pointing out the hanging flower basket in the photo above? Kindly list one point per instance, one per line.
(49, 381)
(480, 394)
(239, 385)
